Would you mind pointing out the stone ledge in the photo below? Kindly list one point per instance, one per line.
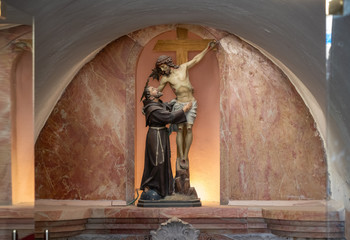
(16, 217)
(17, 211)
(104, 203)
(307, 220)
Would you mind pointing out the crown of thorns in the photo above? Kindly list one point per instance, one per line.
(163, 59)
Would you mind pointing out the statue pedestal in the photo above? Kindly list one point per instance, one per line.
(167, 203)
(175, 200)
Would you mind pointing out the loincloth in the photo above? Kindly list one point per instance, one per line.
(191, 114)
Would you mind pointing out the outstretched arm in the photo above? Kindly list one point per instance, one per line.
(200, 56)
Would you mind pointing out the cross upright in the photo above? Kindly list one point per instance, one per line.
(182, 45)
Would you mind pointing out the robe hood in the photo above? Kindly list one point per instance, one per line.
(149, 106)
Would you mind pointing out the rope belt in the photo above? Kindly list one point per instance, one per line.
(159, 142)
(157, 128)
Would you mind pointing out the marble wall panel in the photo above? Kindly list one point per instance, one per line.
(270, 148)
(8, 59)
(130, 119)
(81, 152)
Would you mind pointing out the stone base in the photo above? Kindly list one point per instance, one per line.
(17, 217)
(170, 203)
(314, 219)
(204, 236)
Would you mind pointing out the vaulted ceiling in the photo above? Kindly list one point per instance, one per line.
(69, 32)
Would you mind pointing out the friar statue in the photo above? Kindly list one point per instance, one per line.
(178, 79)
(157, 180)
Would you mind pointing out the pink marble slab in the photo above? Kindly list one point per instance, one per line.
(82, 151)
(306, 221)
(16, 212)
(20, 218)
(305, 213)
(125, 212)
(205, 212)
(47, 214)
(270, 147)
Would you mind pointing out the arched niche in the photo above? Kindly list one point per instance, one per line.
(204, 156)
(270, 148)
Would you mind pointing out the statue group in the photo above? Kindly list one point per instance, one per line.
(157, 180)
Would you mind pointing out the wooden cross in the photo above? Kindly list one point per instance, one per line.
(182, 45)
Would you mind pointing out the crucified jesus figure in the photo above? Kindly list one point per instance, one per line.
(178, 78)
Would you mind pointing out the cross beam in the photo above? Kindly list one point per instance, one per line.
(181, 46)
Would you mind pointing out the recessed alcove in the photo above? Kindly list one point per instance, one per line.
(264, 137)
(205, 149)
(267, 146)
(267, 137)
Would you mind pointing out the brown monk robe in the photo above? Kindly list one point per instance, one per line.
(157, 174)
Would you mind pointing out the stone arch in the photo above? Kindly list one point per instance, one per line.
(128, 48)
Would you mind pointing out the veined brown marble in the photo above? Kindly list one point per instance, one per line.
(81, 152)
(270, 148)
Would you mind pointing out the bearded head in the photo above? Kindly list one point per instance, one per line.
(167, 60)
